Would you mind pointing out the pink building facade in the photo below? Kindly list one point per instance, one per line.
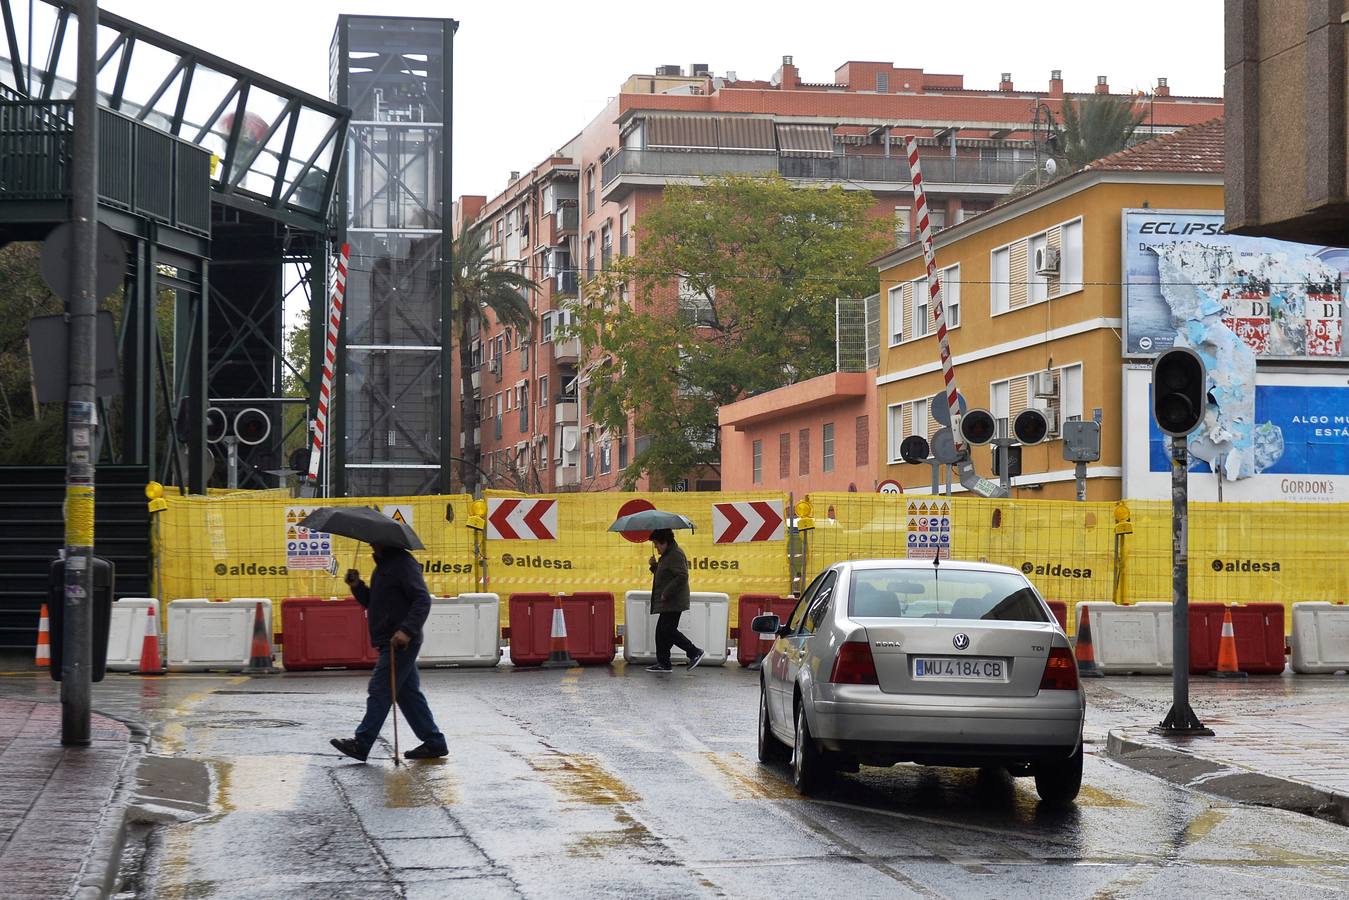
(817, 435)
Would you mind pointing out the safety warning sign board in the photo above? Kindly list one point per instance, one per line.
(929, 529)
(306, 549)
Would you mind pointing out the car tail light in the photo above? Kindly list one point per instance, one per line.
(1060, 671)
(854, 664)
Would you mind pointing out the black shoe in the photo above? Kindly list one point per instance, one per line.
(659, 668)
(427, 751)
(351, 747)
(694, 660)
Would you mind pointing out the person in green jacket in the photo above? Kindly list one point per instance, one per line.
(669, 598)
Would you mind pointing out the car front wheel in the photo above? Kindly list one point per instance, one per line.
(1058, 781)
(807, 766)
(771, 750)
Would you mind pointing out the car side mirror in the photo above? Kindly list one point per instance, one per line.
(768, 624)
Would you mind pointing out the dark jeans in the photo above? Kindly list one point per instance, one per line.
(668, 635)
(411, 700)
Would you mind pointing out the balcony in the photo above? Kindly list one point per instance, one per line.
(566, 476)
(632, 168)
(558, 225)
(565, 284)
(565, 412)
(566, 352)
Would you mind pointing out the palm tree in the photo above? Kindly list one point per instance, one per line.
(1092, 128)
(481, 284)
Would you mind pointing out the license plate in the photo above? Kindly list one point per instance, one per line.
(959, 668)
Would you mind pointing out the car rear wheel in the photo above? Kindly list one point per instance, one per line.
(771, 750)
(1058, 781)
(807, 767)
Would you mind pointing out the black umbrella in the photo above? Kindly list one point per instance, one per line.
(650, 520)
(363, 524)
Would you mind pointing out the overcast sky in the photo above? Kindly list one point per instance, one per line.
(530, 74)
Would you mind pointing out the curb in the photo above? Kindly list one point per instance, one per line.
(1182, 766)
(102, 868)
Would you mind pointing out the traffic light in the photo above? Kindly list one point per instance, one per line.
(1013, 461)
(914, 449)
(978, 426)
(1030, 426)
(1179, 389)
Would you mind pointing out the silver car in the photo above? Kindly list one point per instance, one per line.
(950, 664)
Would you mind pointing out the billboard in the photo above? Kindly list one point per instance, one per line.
(1283, 300)
(1301, 443)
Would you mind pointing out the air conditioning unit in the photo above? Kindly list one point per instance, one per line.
(1044, 384)
(1052, 422)
(1047, 261)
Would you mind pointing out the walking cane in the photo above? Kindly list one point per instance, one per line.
(393, 689)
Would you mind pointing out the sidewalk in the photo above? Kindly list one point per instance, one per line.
(1292, 760)
(61, 808)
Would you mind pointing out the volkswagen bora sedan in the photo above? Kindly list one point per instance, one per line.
(949, 664)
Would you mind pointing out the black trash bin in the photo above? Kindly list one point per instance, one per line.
(104, 574)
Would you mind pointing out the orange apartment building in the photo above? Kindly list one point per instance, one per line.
(567, 218)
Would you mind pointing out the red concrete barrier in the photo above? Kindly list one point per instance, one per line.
(589, 618)
(749, 646)
(1258, 629)
(325, 634)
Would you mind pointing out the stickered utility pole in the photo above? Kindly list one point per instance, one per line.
(962, 464)
(1179, 391)
(81, 406)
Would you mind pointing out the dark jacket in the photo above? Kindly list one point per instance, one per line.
(670, 582)
(395, 599)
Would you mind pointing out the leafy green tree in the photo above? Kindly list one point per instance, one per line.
(27, 435)
(731, 293)
(294, 384)
(482, 285)
(1092, 128)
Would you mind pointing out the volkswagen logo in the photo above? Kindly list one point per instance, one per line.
(961, 640)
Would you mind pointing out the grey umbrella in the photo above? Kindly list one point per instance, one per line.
(363, 524)
(650, 520)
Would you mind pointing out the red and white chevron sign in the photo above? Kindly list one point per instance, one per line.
(509, 519)
(740, 523)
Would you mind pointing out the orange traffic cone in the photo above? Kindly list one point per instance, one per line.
(260, 658)
(43, 658)
(1086, 653)
(150, 661)
(558, 655)
(1227, 650)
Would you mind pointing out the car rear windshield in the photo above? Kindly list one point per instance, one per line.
(943, 593)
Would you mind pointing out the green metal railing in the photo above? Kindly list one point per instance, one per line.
(35, 150)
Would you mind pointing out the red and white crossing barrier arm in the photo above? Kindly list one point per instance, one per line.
(948, 371)
(964, 467)
(329, 360)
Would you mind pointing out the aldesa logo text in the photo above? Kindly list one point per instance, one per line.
(534, 562)
(436, 567)
(221, 569)
(1053, 570)
(1245, 565)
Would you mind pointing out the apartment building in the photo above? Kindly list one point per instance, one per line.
(1060, 299)
(568, 218)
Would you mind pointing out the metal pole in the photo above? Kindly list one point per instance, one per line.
(81, 415)
(1080, 471)
(936, 474)
(1181, 720)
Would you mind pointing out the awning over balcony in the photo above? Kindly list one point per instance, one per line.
(683, 132)
(806, 140)
(738, 133)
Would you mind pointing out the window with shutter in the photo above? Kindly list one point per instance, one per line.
(1018, 395)
(1016, 288)
(895, 310)
(1054, 241)
(785, 455)
(803, 450)
(922, 317)
(863, 440)
(895, 431)
(999, 292)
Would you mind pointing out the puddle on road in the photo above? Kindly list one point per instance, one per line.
(631, 835)
(581, 778)
(1093, 796)
(428, 783)
(1202, 824)
(259, 783)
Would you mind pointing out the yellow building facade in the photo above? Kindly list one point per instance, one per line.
(1007, 323)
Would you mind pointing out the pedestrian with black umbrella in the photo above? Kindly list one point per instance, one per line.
(397, 604)
(669, 599)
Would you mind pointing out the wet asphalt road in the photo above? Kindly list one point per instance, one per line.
(610, 782)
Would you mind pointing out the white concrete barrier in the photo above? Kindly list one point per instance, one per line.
(205, 634)
(706, 622)
(126, 632)
(1129, 640)
(1320, 638)
(462, 631)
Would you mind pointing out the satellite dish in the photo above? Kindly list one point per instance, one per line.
(1051, 167)
(570, 439)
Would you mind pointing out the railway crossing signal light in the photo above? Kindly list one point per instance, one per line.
(978, 426)
(1179, 391)
(1030, 426)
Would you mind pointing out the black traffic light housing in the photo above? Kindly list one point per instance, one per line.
(1013, 461)
(914, 449)
(978, 426)
(1030, 426)
(1179, 391)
